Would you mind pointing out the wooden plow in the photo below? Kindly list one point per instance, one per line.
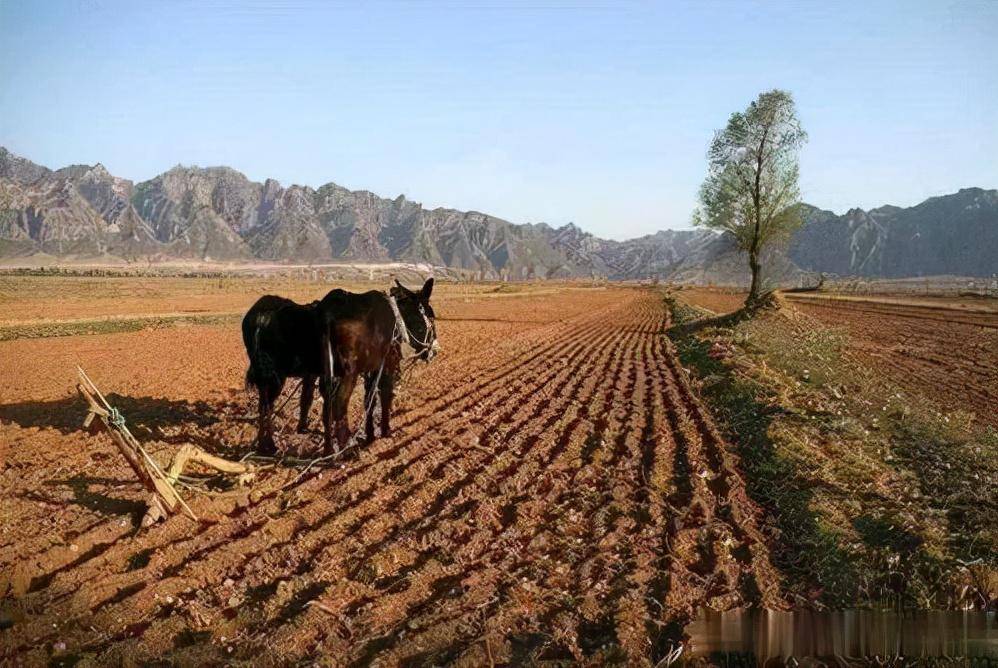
(164, 498)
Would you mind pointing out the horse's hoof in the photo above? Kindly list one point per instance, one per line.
(302, 429)
(267, 449)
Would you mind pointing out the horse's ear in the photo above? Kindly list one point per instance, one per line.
(427, 289)
(401, 290)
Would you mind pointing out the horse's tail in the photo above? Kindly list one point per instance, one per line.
(262, 369)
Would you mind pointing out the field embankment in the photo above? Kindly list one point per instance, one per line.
(875, 495)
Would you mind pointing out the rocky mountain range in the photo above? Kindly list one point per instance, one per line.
(217, 213)
(953, 234)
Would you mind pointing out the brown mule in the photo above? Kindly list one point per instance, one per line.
(369, 334)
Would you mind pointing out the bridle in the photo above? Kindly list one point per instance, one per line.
(404, 337)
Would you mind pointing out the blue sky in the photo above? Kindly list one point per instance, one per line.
(595, 113)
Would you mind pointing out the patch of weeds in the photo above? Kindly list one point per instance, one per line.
(901, 572)
(806, 553)
(957, 471)
(593, 442)
(683, 313)
(873, 498)
(810, 354)
(882, 534)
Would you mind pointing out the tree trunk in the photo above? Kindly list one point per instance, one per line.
(753, 258)
(753, 295)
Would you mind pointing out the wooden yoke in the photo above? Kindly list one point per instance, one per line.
(164, 499)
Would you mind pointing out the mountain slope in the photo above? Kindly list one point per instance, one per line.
(217, 213)
(952, 234)
(75, 210)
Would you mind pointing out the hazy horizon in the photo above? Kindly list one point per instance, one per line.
(592, 114)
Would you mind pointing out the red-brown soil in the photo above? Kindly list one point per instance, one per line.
(946, 352)
(552, 487)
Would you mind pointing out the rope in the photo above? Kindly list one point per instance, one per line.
(275, 413)
(403, 336)
(115, 417)
(288, 398)
(400, 333)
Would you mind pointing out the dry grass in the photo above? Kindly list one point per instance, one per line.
(876, 497)
(946, 355)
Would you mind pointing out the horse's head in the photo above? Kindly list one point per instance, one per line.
(419, 318)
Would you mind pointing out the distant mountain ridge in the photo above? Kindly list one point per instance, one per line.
(217, 213)
(951, 234)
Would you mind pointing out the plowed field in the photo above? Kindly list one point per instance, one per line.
(552, 489)
(946, 352)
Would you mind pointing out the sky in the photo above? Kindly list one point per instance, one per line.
(592, 113)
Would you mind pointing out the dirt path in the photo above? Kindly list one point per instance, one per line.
(553, 487)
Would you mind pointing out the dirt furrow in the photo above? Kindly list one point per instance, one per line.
(642, 631)
(719, 555)
(221, 540)
(617, 612)
(540, 621)
(579, 525)
(518, 575)
(554, 491)
(950, 316)
(438, 534)
(531, 351)
(302, 540)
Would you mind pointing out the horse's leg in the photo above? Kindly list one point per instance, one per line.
(341, 402)
(369, 390)
(305, 405)
(327, 385)
(268, 392)
(264, 439)
(386, 387)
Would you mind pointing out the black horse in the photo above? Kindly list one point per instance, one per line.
(370, 334)
(284, 339)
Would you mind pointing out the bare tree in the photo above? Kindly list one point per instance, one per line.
(751, 189)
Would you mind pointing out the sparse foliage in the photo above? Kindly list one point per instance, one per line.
(751, 189)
